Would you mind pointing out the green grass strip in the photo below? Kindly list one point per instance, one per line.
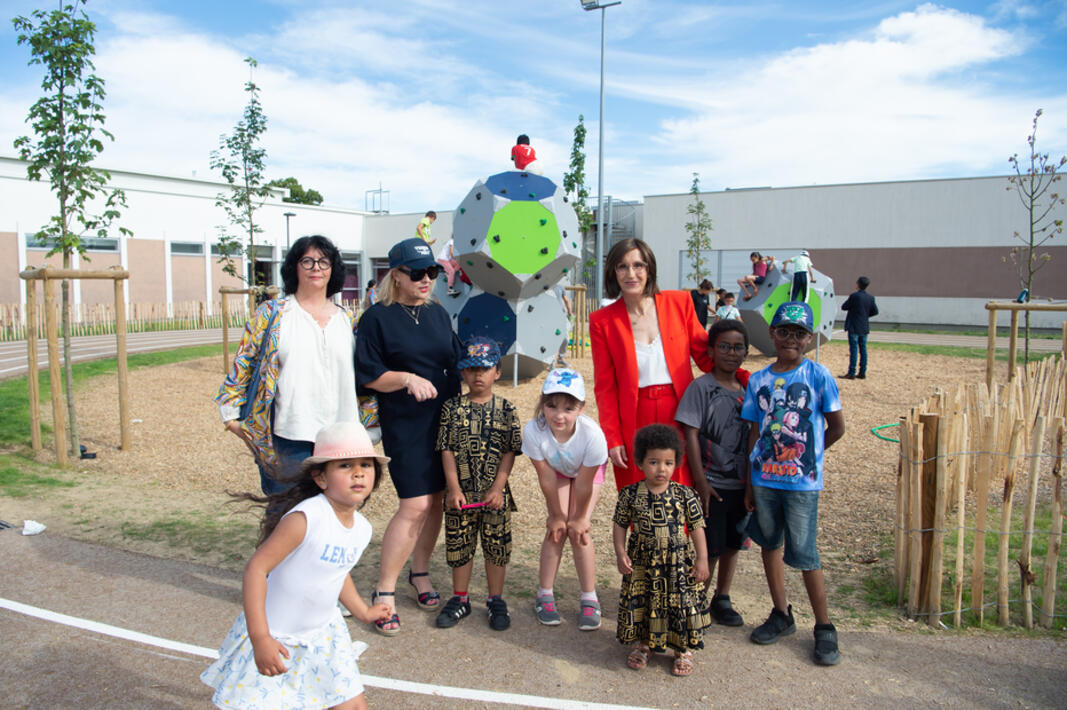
(15, 397)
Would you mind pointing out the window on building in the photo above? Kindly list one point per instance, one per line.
(91, 243)
(192, 248)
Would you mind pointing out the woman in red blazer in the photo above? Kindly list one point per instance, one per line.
(642, 345)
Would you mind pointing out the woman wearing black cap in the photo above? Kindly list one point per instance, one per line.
(406, 352)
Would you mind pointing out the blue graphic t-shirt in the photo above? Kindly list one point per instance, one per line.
(788, 407)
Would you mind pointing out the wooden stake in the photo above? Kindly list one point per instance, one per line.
(225, 334)
(33, 367)
(1005, 522)
(961, 509)
(900, 540)
(937, 542)
(991, 348)
(1013, 344)
(981, 493)
(1027, 575)
(1055, 537)
(915, 519)
(59, 422)
(120, 355)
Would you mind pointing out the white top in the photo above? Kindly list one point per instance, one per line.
(798, 263)
(586, 447)
(316, 373)
(446, 251)
(651, 364)
(728, 312)
(302, 590)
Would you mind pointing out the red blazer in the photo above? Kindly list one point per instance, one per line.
(615, 362)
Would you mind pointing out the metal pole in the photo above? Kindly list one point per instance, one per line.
(600, 178)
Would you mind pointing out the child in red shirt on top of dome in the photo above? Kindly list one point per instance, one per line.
(524, 157)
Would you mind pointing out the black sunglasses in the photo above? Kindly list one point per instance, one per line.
(420, 274)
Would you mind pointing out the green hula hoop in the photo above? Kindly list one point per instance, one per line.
(876, 429)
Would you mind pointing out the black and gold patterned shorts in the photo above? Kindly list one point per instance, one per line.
(462, 528)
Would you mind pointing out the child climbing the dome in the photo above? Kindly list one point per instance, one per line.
(290, 648)
(570, 454)
(662, 604)
(524, 157)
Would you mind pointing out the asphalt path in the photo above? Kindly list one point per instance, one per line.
(95, 347)
(54, 663)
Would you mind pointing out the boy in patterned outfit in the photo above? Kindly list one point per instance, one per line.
(478, 438)
(789, 432)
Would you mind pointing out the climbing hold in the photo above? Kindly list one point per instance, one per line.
(529, 309)
(503, 191)
(533, 195)
(470, 263)
(473, 242)
(544, 250)
(496, 238)
(477, 195)
(537, 276)
(559, 332)
(500, 293)
(574, 245)
(544, 222)
(564, 233)
(463, 210)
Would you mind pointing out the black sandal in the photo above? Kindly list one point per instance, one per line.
(394, 619)
(430, 601)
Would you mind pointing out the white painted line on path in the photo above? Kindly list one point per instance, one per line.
(403, 686)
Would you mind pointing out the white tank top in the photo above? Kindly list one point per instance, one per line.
(651, 363)
(302, 590)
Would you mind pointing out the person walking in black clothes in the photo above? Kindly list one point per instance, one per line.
(860, 306)
(700, 296)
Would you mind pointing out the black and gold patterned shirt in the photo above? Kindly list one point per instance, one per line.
(478, 435)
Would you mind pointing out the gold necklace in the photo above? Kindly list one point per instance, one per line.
(413, 313)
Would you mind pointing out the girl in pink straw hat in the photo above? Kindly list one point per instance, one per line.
(290, 648)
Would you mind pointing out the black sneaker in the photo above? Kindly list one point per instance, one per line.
(455, 609)
(775, 627)
(499, 619)
(826, 653)
(723, 611)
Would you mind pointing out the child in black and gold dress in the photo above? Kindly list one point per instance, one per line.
(662, 603)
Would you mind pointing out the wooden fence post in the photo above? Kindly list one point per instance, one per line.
(1026, 574)
(991, 347)
(1013, 344)
(32, 373)
(225, 334)
(120, 351)
(915, 520)
(1005, 523)
(1048, 593)
(900, 539)
(937, 540)
(981, 495)
(961, 509)
(59, 423)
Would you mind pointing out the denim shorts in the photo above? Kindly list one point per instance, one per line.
(791, 517)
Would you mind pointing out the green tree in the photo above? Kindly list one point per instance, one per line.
(578, 192)
(1032, 182)
(699, 228)
(241, 160)
(68, 127)
(297, 193)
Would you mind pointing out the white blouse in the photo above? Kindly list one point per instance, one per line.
(651, 364)
(316, 373)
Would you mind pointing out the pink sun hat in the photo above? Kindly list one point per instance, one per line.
(343, 440)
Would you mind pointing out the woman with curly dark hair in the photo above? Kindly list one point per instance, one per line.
(303, 344)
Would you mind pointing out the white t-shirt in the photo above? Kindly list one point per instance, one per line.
(586, 447)
(302, 590)
(316, 373)
(651, 363)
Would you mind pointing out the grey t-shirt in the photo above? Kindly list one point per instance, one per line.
(715, 412)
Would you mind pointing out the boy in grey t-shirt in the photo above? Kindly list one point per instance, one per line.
(716, 441)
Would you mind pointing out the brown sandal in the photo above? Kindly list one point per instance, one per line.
(638, 657)
(683, 664)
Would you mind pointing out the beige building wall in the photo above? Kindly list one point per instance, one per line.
(9, 254)
(221, 278)
(147, 282)
(187, 277)
(96, 291)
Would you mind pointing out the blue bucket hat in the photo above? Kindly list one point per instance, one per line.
(412, 253)
(794, 313)
(479, 351)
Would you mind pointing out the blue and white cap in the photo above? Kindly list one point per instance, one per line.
(566, 381)
(479, 352)
(412, 253)
(794, 313)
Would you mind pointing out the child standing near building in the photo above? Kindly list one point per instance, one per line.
(786, 442)
(727, 311)
(662, 603)
(716, 447)
(290, 647)
(478, 438)
(570, 453)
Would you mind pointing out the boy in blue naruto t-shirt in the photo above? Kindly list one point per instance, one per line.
(795, 415)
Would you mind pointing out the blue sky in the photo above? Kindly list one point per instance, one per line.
(427, 96)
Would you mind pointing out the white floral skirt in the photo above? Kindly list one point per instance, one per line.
(322, 672)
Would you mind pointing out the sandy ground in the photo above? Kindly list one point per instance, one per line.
(181, 464)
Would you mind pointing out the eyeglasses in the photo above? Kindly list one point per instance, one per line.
(636, 267)
(785, 333)
(724, 348)
(420, 274)
(307, 263)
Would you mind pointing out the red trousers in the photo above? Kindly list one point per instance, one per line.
(655, 405)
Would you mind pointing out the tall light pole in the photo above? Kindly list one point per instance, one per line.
(287, 215)
(589, 5)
